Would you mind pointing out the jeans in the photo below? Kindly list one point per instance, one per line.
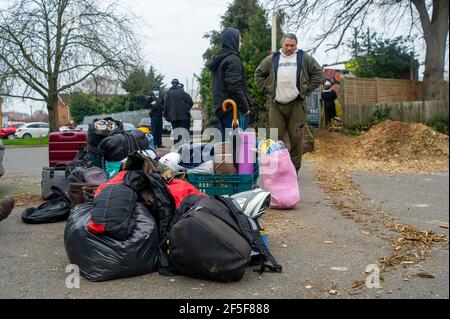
(157, 126)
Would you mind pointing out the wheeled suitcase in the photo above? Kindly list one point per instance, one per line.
(64, 146)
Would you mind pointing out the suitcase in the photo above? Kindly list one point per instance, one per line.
(64, 146)
(50, 177)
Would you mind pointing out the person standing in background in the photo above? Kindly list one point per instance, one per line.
(155, 105)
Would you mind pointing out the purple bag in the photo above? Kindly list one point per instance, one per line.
(278, 177)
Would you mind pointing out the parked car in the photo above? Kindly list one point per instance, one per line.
(82, 127)
(2, 153)
(167, 126)
(9, 131)
(36, 129)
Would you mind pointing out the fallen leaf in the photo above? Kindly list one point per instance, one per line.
(358, 283)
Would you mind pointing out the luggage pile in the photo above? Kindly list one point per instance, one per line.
(145, 216)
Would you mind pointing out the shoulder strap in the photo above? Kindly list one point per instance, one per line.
(300, 55)
(275, 62)
(261, 248)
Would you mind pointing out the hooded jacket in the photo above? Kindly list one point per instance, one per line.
(228, 77)
(177, 105)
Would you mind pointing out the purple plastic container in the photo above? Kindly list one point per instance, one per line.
(247, 153)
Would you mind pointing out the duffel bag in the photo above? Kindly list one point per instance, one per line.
(214, 240)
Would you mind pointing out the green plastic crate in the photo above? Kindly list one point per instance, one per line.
(223, 184)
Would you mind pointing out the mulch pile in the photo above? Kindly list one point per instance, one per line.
(390, 146)
(392, 140)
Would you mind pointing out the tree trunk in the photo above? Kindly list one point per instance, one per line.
(435, 38)
(52, 107)
(434, 68)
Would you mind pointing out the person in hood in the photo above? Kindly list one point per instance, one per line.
(329, 97)
(229, 80)
(177, 108)
(288, 76)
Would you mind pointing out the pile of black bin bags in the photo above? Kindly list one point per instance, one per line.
(134, 216)
(101, 257)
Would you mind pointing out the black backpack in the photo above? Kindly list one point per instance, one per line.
(214, 240)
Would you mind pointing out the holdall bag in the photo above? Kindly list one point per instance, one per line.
(214, 240)
(278, 176)
(50, 177)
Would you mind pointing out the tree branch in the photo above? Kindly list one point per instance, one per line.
(22, 97)
(423, 14)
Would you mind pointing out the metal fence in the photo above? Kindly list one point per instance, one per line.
(135, 118)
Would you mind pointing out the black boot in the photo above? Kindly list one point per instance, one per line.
(6, 206)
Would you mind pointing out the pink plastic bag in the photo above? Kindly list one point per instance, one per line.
(278, 177)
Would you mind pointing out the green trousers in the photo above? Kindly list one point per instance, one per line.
(290, 118)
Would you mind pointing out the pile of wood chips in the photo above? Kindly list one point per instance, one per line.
(392, 140)
(390, 146)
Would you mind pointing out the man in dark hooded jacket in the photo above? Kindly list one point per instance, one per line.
(229, 80)
(177, 107)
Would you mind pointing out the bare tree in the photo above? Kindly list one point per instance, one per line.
(338, 17)
(50, 46)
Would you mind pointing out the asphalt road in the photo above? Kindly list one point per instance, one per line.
(23, 168)
(315, 244)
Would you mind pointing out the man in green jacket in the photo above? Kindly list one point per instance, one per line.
(288, 76)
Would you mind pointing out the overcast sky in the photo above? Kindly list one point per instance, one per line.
(172, 37)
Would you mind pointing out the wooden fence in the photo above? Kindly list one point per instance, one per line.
(361, 91)
(412, 112)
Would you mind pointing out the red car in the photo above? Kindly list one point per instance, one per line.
(9, 131)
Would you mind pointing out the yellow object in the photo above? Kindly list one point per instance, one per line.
(338, 107)
(144, 130)
(265, 145)
(233, 104)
